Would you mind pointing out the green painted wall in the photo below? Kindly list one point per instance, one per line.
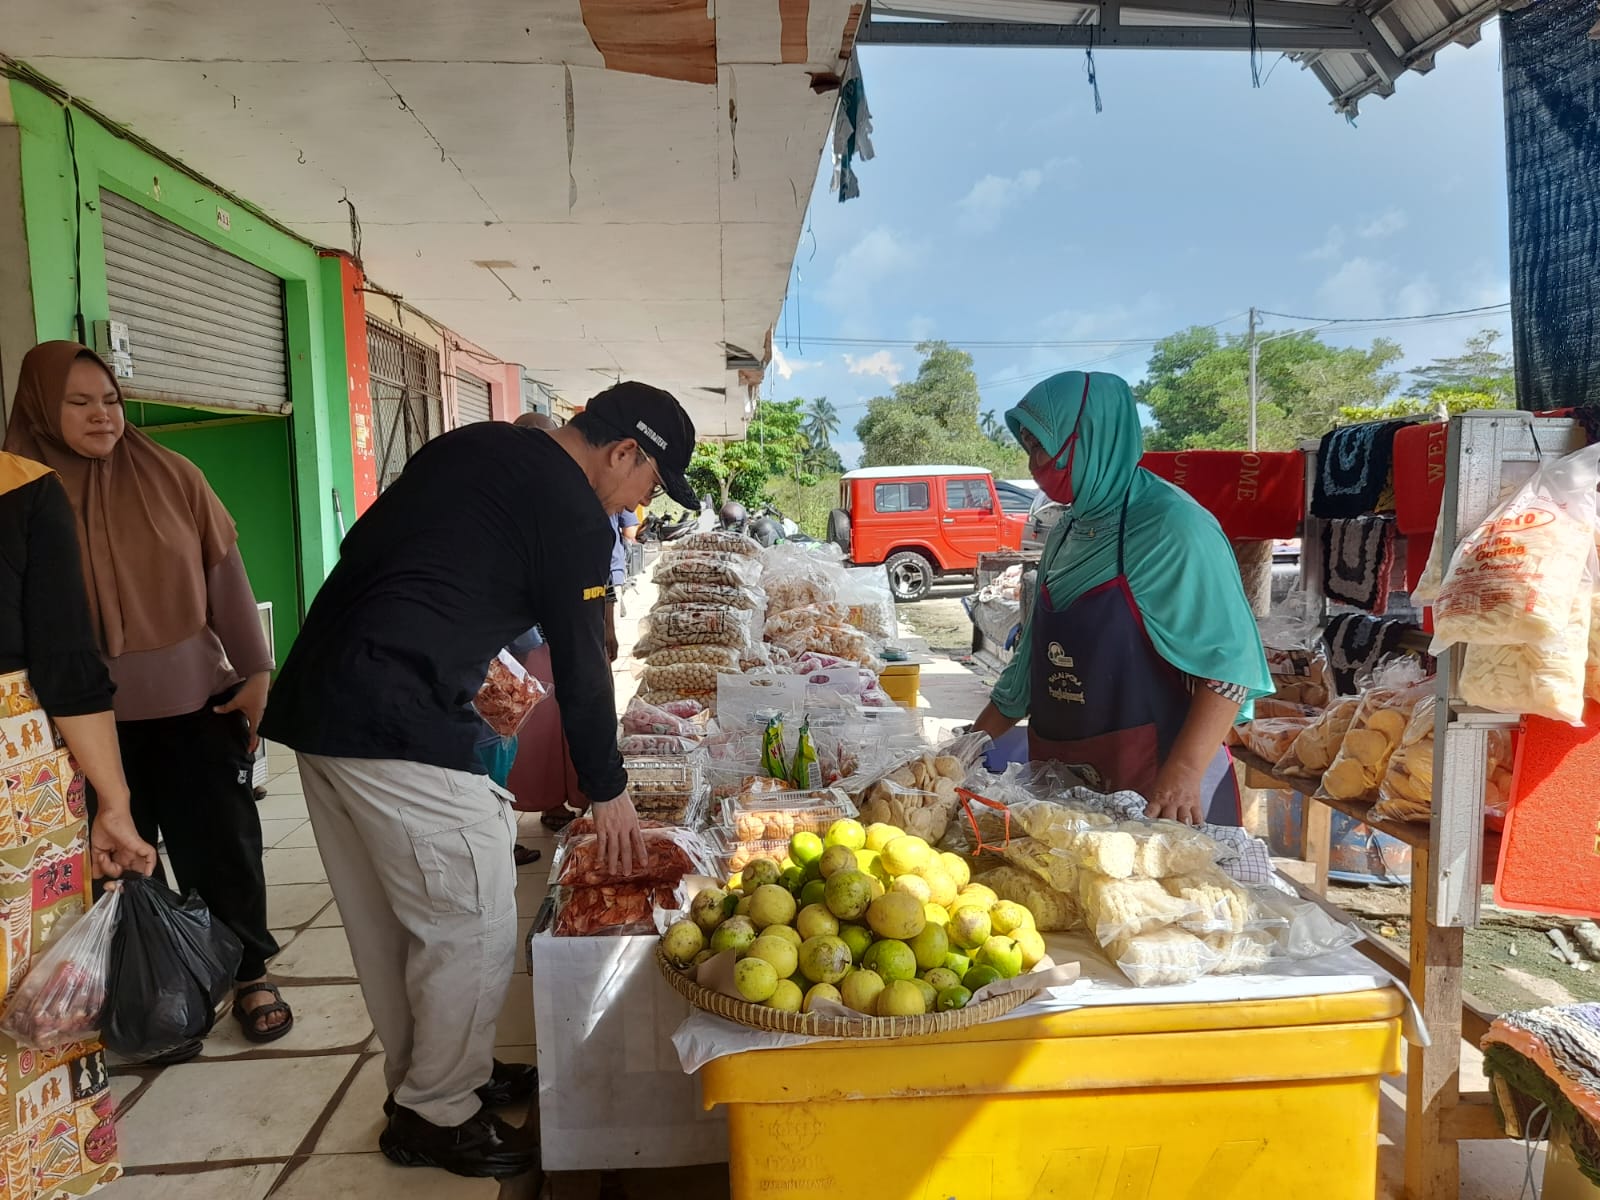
(257, 453)
(276, 476)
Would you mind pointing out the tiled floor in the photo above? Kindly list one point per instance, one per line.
(299, 1118)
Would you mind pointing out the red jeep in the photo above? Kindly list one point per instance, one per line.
(921, 522)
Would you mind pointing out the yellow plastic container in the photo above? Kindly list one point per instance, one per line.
(1267, 1100)
(902, 682)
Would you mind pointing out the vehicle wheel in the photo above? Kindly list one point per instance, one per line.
(910, 576)
(839, 530)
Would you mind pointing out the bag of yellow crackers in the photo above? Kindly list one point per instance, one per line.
(1375, 733)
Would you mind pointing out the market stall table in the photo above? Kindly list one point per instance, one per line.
(1235, 1086)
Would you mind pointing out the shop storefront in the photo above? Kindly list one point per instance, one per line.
(234, 357)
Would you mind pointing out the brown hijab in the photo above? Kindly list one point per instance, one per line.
(149, 525)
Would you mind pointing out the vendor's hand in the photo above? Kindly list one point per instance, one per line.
(612, 648)
(251, 700)
(1176, 794)
(115, 845)
(616, 824)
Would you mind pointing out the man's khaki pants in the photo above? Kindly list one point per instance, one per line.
(420, 862)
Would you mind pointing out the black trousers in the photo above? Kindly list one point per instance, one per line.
(190, 781)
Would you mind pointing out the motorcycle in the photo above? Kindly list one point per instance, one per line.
(658, 528)
(769, 527)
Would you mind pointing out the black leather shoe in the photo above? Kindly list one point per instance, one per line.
(484, 1147)
(509, 1083)
(179, 1055)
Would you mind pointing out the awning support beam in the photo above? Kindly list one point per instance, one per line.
(1113, 36)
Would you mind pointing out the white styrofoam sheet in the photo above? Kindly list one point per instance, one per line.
(611, 1091)
(703, 1037)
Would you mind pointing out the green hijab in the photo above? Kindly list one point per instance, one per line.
(1180, 567)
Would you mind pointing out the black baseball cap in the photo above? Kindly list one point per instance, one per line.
(655, 420)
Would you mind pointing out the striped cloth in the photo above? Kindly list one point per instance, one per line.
(1553, 1055)
(1237, 692)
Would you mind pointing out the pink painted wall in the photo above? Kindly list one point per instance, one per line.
(504, 379)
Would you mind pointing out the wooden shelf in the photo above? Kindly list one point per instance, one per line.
(1413, 833)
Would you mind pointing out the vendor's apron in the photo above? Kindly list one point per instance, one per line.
(1103, 696)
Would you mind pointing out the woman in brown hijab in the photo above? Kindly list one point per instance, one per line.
(177, 623)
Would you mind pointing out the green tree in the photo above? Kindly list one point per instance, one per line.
(996, 430)
(1440, 403)
(822, 460)
(1480, 369)
(822, 422)
(773, 445)
(934, 418)
(1198, 393)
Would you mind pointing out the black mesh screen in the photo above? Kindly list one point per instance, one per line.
(1552, 90)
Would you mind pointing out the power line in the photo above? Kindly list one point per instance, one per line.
(1012, 343)
(984, 344)
(1458, 312)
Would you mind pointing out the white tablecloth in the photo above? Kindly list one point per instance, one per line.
(703, 1037)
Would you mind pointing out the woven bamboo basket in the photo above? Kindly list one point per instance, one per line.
(758, 1016)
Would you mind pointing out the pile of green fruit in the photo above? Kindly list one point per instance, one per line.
(871, 918)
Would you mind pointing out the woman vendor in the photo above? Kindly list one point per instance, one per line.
(1141, 650)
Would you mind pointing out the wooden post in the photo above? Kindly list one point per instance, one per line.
(1433, 1073)
(1318, 840)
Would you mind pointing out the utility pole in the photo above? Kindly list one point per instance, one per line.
(1255, 355)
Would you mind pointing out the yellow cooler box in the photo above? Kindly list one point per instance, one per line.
(1263, 1100)
(902, 682)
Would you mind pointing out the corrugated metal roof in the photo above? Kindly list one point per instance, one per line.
(1357, 48)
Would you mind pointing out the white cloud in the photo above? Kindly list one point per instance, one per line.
(1113, 321)
(1417, 297)
(1364, 288)
(883, 364)
(1332, 247)
(1386, 224)
(877, 254)
(786, 368)
(1359, 288)
(994, 195)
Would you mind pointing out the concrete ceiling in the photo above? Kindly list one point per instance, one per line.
(591, 188)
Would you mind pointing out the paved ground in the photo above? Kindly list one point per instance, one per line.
(299, 1120)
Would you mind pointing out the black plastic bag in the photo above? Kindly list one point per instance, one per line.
(172, 964)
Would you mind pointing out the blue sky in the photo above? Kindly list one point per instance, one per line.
(1002, 207)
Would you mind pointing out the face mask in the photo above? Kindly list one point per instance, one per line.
(1055, 480)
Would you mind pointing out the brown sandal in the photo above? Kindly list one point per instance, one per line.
(250, 1018)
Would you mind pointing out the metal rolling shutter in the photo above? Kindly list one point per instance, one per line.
(206, 327)
(534, 397)
(407, 406)
(472, 400)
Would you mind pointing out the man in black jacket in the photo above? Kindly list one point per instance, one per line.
(490, 530)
